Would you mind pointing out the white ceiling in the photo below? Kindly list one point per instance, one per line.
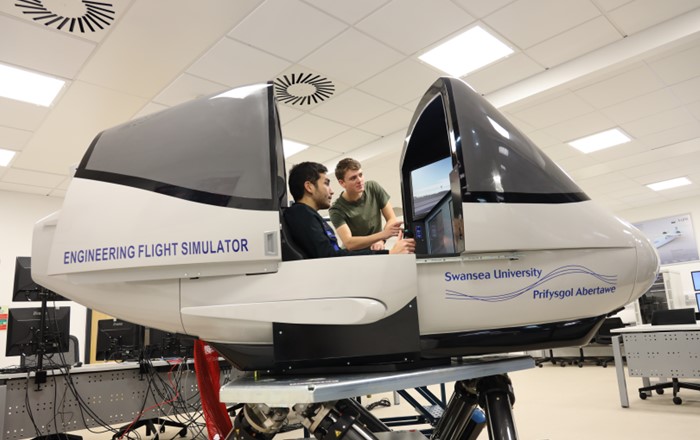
(579, 67)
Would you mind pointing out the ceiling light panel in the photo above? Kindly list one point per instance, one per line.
(466, 52)
(5, 157)
(25, 86)
(600, 141)
(668, 184)
(291, 148)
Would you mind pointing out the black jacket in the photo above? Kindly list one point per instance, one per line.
(314, 235)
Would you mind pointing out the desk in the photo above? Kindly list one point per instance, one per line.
(114, 392)
(656, 351)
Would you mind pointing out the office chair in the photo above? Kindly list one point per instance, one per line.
(604, 337)
(671, 317)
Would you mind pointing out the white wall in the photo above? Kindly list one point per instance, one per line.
(18, 213)
(682, 206)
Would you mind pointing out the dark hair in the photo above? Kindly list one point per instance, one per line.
(345, 165)
(302, 173)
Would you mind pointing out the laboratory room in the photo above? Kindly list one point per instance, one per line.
(349, 220)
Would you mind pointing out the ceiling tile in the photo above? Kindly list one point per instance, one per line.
(311, 129)
(609, 5)
(503, 73)
(64, 136)
(481, 8)
(20, 115)
(642, 106)
(415, 24)
(352, 57)
(71, 9)
(401, 83)
(694, 110)
(352, 107)
(186, 88)
(13, 139)
(543, 139)
(39, 49)
(233, 63)
(554, 111)
(582, 39)
(287, 113)
(24, 177)
(311, 154)
(528, 22)
(673, 135)
(641, 14)
(388, 123)
(560, 151)
(678, 67)
(149, 109)
(580, 126)
(687, 91)
(14, 187)
(349, 12)
(657, 122)
(348, 141)
(153, 43)
(577, 162)
(289, 29)
(628, 85)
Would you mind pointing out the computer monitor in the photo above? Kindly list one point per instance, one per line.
(696, 280)
(162, 344)
(118, 340)
(429, 184)
(24, 335)
(697, 299)
(25, 289)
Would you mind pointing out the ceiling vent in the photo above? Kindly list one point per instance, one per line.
(78, 16)
(303, 89)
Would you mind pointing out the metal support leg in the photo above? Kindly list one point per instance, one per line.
(496, 396)
(620, 371)
(462, 419)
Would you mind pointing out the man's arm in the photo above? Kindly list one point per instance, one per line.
(391, 229)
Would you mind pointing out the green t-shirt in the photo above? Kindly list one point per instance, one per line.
(363, 217)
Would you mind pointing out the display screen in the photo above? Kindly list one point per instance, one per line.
(697, 299)
(428, 185)
(26, 337)
(696, 280)
(439, 230)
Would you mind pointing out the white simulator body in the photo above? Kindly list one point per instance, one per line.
(186, 238)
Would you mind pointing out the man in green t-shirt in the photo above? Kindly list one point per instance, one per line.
(357, 213)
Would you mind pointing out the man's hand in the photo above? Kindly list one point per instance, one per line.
(377, 245)
(403, 245)
(392, 228)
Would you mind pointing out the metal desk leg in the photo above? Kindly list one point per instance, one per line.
(620, 370)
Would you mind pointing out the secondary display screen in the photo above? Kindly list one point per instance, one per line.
(428, 186)
(696, 280)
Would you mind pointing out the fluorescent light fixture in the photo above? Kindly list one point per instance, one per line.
(668, 184)
(466, 52)
(241, 92)
(600, 141)
(30, 87)
(291, 148)
(5, 157)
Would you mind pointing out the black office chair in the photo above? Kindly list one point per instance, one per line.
(671, 317)
(604, 337)
(290, 250)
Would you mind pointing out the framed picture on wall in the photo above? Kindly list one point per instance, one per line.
(673, 238)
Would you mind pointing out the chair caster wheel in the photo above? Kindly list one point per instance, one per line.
(677, 400)
(643, 395)
(659, 391)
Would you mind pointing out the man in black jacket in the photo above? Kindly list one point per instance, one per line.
(311, 189)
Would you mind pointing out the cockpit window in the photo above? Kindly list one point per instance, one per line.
(500, 163)
(216, 150)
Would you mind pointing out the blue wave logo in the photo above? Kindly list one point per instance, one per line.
(572, 269)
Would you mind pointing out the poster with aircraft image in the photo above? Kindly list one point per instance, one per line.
(672, 237)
